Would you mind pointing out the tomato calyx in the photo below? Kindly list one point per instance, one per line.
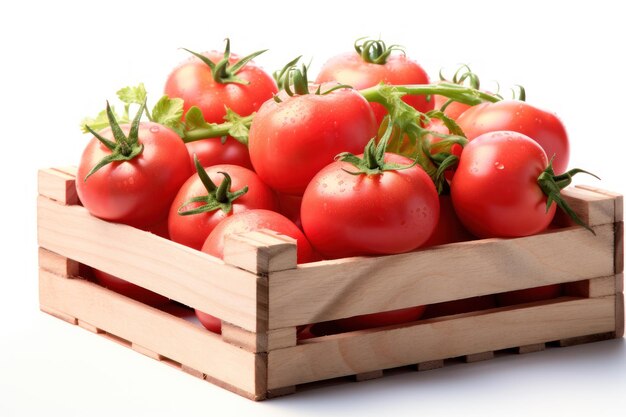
(373, 161)
(462, 76)
(292, 77)
(124, 148)
(375, 51)
(223, 72)
(552, 184)
(218, 197)
(235, 126)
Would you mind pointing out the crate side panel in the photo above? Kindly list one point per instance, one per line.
(167, 335)
(334, 289)
(183, 274)
(365, 351)
(57, 185)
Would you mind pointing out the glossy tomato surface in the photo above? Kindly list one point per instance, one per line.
(138, 192)
(495, 191)
(449, 228)
(215, 152)
(350, 215)
(192, 230)
(351, 69)
(292, 140)
(518, 116)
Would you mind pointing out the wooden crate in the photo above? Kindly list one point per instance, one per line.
(262, 295)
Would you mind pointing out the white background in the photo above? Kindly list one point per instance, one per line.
(61, 60)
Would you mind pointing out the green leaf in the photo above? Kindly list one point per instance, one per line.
(100, 121)
(194, 119)
(239, 129)
(169, 112)
(133, 95)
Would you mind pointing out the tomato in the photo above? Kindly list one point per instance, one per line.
(139, 191)
(291, 140)
(289, 206)
(192, 230)
(495, 191)
(215, 152)
(387, 318)
(452, 110)
(464, 305)
(251, 220)
(248, 221)
(393, 211)
(449, 228)
(194, 82)
(360, 71)
(529, 295)
(129, 289)
(543, 127)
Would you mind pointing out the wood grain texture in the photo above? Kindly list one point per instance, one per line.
(618, 200)
(437, 339)
(260, 251)
(596, 287)
(170, 336)
(57, 185)
(592, 207)
(58, 264)
(348, 287)
(178, 272)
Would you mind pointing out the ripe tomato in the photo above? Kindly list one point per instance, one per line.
(393, 211)
(215, 152)
(543, 127)
(289, 206)
(192, 230)
(529, 295)
(291, 140)
(360, 71)
(139, 191)
(495, 191)
(449, 228)
(387, 318)
(248, 221)
(256, 219)
(129, 289)
(452, 110)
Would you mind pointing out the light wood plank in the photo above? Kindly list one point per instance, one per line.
(260, 251)
(348, 287)
(619, 315)
(430, 365)
(146, 352)
(58, 314)
(618, 200)
(619, 247)
(259, 342)
(596, 287)
(57, 185)
(479, 357)
(167, 268)
(593, 208)
(366, 376)
(152, 329)
(58, 264)
(89, 327)
(535, 347)
(437, 339)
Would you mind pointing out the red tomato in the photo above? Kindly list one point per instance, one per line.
(193, 81)
(350, 215)
(251, 220)
(292, 140)
(543, 127)
(495, 191)
(452, 110)
(192, 230)
(351, 69)
(529, 295)
(289, 206)
(449, 228)
(248, 221)
(213, 152)
(140, 191)
(129, 289)
(388, 318)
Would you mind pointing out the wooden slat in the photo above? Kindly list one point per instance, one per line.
(430, 365)
(618, 200)
(259, 342)
(146, 352)
(152, 329)
(348, 287)
(596, 287)
(479, 357)
(58, 314)
(366, 376)
(619, 247)
(436, 339)
(167, 268)
(535, 347)
(593, 208)
(58, 264)
(619, 315)
(57, 185)
(260, 251)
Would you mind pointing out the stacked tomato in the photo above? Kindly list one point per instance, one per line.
(367, 160)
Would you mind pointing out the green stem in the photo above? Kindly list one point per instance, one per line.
(213, 130)
(462, 94)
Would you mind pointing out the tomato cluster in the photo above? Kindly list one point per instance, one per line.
(370, 159)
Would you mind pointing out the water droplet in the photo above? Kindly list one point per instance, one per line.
(154, 129)
(498, 165)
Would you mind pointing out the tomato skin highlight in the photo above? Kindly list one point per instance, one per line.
(136, 192)
(192, 230)
(352, 215)
(351, 69)
(213, 152)
(209, 322)
(291, 141)
(494, 189)
(518, 116)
